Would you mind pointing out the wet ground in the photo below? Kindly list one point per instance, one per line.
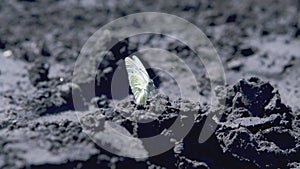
(258, 43)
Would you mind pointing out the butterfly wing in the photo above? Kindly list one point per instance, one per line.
(141, 67)
(150, 84)
(138, 89)
(137, 80)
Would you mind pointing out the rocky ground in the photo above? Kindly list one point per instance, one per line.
(257, 127)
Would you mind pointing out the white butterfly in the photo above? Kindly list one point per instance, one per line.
(139, 80)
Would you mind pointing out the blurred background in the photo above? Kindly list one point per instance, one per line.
(40, 41)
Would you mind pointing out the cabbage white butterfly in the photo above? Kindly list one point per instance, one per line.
(139, 80)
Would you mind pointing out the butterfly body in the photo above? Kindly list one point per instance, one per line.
(140, 82)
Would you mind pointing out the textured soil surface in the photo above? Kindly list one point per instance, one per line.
(257, 127)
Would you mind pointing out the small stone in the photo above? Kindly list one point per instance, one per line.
(178, 147)
(107, 70)
(66, 89)
(235, 65)
(7, 53)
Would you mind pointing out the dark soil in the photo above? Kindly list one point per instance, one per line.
(258, 127)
